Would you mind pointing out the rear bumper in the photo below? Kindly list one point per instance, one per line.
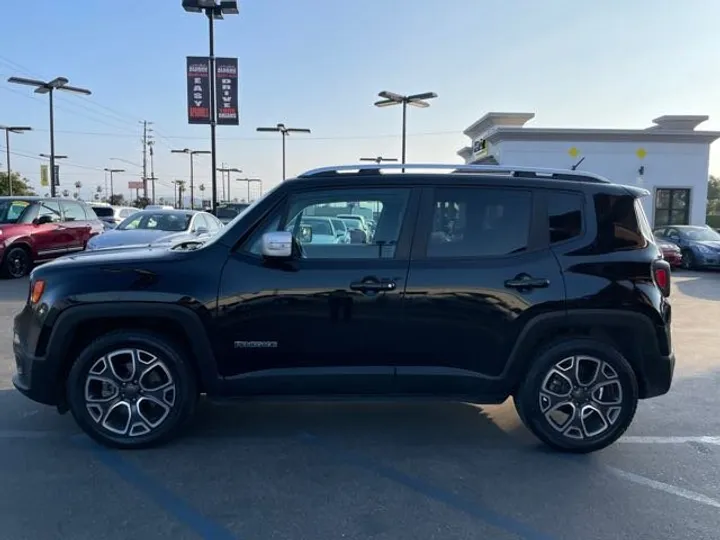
(658, 376)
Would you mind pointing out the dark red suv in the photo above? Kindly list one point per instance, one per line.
(35, 229)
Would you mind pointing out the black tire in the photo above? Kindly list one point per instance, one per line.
(688, 260)
(179, 399)
(17, 262)
(535, 404)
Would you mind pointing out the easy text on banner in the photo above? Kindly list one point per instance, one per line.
(226, 91)
(198, 89)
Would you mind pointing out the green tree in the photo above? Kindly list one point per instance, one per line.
(117, 200)
(714, 188)
(141, 202)
(20, 186)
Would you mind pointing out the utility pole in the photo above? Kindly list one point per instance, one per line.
(146, 142)
(151, 143)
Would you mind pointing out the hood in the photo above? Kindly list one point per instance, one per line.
(123, 255)
(119, 238)
(714, 244)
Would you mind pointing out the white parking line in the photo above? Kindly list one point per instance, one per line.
(669, 440)
(667, 488)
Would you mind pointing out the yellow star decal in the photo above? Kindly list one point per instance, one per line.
(641, 153)
(573, 152)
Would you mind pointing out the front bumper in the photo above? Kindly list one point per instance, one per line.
(35, 376)
(674, 259)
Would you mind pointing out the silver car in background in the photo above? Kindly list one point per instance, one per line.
(158, 227)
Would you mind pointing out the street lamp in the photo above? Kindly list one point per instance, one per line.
(378, 159)
(48, 87)
(111, 171)
(213, 10)
(8, 131)
(192, 153)
(284, 131)
(250, 181)
(228, 170)
(416, 100)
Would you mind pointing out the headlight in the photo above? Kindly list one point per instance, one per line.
(704, 249)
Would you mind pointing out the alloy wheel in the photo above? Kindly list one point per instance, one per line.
(581, 397)
(18, 263)
(129, 392)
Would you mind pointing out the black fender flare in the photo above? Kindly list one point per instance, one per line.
(541, 326)
(68, 321)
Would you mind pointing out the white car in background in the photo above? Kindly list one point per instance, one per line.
(112, 215)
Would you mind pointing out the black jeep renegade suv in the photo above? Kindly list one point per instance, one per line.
(476, 284)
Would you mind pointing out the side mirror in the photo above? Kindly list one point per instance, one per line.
(306, 234)
(201, 230)
(277, 245)
(42, 220)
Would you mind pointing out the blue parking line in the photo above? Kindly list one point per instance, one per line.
(448, 498)
(164, 498)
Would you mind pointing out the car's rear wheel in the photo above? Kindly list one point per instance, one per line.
(131, 389)
(579, 396)
(17, 262)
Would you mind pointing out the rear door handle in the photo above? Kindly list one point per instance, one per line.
(373, 286)
(527, 282)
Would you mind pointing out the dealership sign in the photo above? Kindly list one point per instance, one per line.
(135, 184)
(226, 91)
(198, 89)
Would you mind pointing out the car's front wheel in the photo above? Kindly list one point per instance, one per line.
(579, 396)
(17, 262)
(131, 389)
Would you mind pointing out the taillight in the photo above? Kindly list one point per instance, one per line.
(37, 290)
(661, 275)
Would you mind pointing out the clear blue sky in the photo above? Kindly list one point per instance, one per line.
(320, 63)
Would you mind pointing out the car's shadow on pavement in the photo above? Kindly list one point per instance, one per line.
(703, 285)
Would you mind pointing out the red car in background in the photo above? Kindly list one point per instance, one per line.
(670, 252)
(36, 229)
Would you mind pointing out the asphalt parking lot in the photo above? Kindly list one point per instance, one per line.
(329, 471)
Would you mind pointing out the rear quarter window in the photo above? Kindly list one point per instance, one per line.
(619, 225)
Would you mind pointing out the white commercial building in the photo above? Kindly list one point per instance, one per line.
(670, 159)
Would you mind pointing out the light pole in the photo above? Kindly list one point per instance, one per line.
(48, 87)
(250, 181)
(284, 131)
(111, 171)
(193, 153)
(8, 131)
(228, 170)
(378, 159)
(213, 10)
(416, 100)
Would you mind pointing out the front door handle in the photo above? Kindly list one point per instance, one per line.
(373, 285)
(524, 281)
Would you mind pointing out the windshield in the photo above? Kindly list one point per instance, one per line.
(157, 221)
(103, 211)
(10, 211)
(701, 234)
(319, 226)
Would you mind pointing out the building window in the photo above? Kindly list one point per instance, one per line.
(672, 207)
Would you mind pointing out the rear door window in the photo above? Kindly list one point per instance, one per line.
(565, 216)
(73, 211)
(479, 222)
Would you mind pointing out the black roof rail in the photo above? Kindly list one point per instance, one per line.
(519, 172)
